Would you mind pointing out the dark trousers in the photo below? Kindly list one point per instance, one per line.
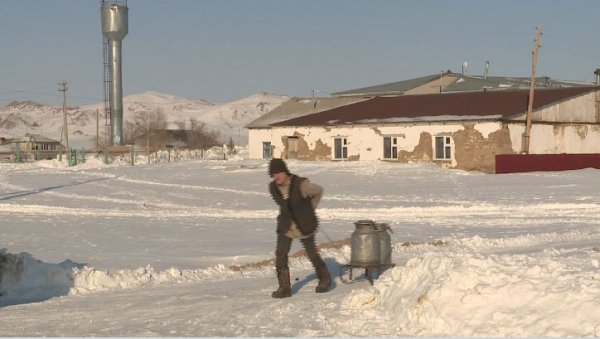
(284, 244)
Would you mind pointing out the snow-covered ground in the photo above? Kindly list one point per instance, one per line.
(147, 250)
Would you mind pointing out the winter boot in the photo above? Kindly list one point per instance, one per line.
(285, 286)
(324, 278)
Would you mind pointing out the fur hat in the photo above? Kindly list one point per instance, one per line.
(277, 166)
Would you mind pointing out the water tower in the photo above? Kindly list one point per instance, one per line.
(114, 29)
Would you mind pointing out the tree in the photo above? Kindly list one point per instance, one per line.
(148, 124)
(197, 136)
(231, 146)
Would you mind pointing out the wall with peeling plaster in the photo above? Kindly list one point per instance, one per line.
(474, 143)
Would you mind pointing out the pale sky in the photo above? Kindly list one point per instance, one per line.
(222, 50)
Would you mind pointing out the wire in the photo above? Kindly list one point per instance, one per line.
(594, 56)
(573, 38)
(27, 91)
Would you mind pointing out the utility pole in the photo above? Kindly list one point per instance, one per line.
(527, 136)
(147, 139)
(63, 88)
(97, 126)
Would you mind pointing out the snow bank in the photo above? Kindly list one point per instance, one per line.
(549, 293)
(24, 279)
(90, 279)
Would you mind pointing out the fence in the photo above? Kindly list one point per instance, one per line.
(516, 163)
(125, 154)
(163, 155)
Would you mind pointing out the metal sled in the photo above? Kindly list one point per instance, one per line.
(369, 269)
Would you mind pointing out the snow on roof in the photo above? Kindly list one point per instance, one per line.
(37, 138)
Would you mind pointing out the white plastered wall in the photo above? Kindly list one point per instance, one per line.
(557, 139)
(579, 137)
(256, 137)
(487, 128)
(366, 142)
(581, 109)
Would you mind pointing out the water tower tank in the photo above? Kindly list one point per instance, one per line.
(115, 24)
(115, 28)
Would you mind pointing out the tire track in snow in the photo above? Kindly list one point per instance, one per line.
(201, 188)
(589, 212)
(139, 200)
(192, 212)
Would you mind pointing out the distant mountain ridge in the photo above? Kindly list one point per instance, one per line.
(21, 117)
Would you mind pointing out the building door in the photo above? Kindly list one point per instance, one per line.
(292, 147)
(266, 150)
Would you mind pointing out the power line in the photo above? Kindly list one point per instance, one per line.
(594, 56)
(577, 39)
(13, 91)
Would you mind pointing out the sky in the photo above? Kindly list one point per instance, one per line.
(223, 50)
(149, 250)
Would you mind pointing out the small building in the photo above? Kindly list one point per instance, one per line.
(176, 138)
(463, 130)
(6, 153)
(32, 146)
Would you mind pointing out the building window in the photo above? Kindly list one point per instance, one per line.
(443, 148)
(266, 150)
(341, 148)
(390, 148)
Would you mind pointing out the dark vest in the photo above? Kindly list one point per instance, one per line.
(296, 208)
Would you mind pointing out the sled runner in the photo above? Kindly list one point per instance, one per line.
(369, 269)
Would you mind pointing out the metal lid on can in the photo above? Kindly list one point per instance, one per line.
(381, 226)
(364, 222)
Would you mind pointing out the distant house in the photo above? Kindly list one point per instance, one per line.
(175, 138)
(32, 146)
(462, 130)
(6, 152)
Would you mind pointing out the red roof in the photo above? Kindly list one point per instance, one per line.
(491, 104)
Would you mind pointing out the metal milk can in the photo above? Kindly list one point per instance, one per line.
(385, 243)
(365, 244)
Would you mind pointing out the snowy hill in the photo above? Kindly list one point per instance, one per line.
(20, 117)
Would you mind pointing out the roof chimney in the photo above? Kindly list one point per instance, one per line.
(597, 72)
